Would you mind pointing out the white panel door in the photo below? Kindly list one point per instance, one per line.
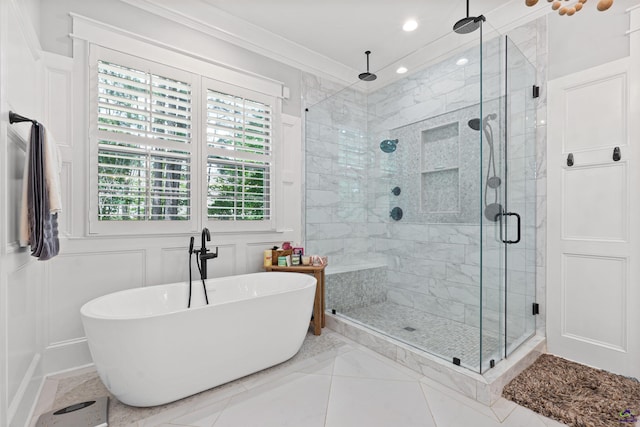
(592, 284)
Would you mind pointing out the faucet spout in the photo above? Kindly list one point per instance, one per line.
(203, 252)
(205, 235)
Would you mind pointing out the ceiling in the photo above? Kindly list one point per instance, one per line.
(329, 37)
(343, 30)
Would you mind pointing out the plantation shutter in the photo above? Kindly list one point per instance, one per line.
(144, 132)
(239, 156)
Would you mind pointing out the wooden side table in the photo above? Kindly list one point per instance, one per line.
(318, 321)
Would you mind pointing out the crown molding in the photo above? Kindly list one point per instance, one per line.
(234, 30)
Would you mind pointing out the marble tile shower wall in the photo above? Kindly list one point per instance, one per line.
(432, 266)
(435, 265)
(336, 172)
(433, 259)
(536, 51)
(531, 40)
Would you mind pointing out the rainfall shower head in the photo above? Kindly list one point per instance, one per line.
(367, 76)
(468, 24)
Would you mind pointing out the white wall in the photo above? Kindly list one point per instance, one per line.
(56, 25)
(21, 293)
(93, 266)
(40, 330)
(588, 38)
(40, 326)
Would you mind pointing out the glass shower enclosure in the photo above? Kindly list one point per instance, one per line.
(422, 194)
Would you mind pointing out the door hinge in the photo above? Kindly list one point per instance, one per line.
(536, 91)
(535, 308)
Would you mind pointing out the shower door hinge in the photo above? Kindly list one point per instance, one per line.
(535, 308)
(536, 91)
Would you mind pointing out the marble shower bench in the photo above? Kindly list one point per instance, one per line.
(355, 285)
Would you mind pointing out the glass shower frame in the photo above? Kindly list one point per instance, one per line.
(350, 186)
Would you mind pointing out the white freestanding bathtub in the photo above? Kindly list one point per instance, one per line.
(149, 349)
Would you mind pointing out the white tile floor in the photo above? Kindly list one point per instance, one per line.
(345, 386)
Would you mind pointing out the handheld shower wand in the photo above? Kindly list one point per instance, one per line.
(191, 241)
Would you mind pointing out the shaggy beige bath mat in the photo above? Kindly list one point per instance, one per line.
(575, 394)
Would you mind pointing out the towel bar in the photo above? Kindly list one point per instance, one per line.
(17, 118)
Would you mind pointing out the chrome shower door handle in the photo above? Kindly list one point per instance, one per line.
(511, 242)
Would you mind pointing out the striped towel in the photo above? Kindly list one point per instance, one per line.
(41, 200)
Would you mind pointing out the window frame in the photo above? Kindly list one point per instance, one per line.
(199, 79)
(275, 103)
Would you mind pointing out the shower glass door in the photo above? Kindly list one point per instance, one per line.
(508, 221)
(491, 257)
(407, 190)
(520, 198)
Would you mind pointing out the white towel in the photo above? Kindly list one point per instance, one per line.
(53, 167)
(24, 212)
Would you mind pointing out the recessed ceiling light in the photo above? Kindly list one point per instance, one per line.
(462, 61)
(402, 70)
(410, 25)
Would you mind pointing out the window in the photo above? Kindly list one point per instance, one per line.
(144, 155)
(174, 150)
(239, 157)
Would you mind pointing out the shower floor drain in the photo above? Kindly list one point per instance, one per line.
(409, 328)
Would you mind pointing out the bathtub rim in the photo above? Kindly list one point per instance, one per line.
(85, 310)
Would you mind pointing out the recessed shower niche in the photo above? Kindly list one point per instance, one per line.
(440, 157)
(437, 167)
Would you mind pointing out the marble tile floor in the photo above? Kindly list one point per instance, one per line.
(434, 334)
(332, 382)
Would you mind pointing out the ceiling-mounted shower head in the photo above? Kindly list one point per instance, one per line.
(367, 76)
(468, 24)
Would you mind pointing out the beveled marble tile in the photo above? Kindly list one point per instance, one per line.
(314, 347)
(319, 366)
(449, 411)
(170, 413)
(203, 417)
(363, 336)
(295, 400)
(459, 382)
(46, 398)
(502, 408)
(73, 387)
(375, 402)
(523, 417)
(336, 382)
(358, 363)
